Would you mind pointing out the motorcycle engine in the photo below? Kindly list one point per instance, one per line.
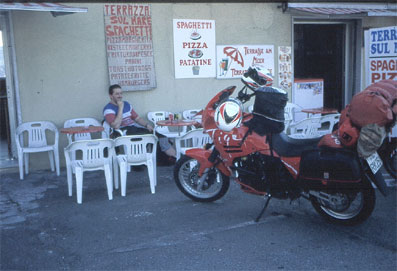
(263, 174)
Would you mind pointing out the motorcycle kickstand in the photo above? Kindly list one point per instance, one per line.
(264, 207)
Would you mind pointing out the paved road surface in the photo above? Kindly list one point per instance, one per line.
(42, 228)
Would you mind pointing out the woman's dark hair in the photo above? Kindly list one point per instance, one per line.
(112, 87)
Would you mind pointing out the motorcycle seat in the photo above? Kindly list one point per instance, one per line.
(291, 147)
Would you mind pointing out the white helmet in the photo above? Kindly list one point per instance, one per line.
(255, 77)
(229, 114)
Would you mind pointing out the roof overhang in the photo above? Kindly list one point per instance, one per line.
(55, 8)
(341, 9)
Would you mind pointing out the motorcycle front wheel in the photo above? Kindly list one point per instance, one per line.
(346, 208)
(208, 189)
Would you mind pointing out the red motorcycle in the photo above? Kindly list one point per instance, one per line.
(253, 150)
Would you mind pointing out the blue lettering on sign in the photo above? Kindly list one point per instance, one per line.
(384, 35)
(383, 42)
(380, 48)
(393, 34)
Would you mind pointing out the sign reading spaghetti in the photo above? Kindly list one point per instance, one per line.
(128, 31)
(194, 48)
(233, 60)
(381, 54)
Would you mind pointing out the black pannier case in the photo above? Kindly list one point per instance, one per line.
(268, 112)
(329, 168)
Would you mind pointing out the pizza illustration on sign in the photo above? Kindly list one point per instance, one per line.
(195, 53)
(195, 35)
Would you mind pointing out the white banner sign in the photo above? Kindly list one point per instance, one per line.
(128, 30)
(381, 54)
(194, 48)
(284, 67)
(233, 60)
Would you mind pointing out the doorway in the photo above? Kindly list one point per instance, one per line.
(5, 133)
(319, 52)
(7, 99)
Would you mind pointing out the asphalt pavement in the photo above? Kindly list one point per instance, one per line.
(42, 228)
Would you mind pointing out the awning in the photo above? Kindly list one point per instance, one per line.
(340, 9)
(54, 8)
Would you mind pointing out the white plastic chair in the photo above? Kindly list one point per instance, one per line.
(155, 116)
(306, 128)
(138, 150)
(192, 139)
(327, 123)
(89, 155)
(190, 114)
(107, 130)
(36, 142)
(80, 122)
(289, 114)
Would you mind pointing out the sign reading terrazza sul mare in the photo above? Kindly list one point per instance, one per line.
(381, 54)
(129, 46)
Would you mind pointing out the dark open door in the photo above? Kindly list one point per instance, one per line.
(319, 53)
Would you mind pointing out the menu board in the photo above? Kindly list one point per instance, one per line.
(284, 67)
(129, 47)
(194, 48)
(233, 60)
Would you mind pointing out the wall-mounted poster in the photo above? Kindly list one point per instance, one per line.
(233, 60)
(284, 67)
(194, 48)
(307, 93)
(381, 54)
(128, 31)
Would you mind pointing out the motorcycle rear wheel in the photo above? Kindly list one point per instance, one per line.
(349, 209)
(186, 178)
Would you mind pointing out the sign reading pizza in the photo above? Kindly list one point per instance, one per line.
(194, 48)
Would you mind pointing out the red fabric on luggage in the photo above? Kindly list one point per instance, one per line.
(330, 140)
(374, 104)
(347, 133)
(343, 114)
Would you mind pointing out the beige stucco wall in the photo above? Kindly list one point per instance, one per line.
(62, 61)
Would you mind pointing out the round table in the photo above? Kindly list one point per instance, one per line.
(177, 123)
(320, 110)
(81, 129)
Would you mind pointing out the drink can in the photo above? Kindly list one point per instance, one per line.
(171, 117)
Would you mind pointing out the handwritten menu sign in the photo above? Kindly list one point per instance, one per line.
(128, 31)
(194, 48)
(233, 60)
(284, 67)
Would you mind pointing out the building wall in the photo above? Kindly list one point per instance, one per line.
(62, 61)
